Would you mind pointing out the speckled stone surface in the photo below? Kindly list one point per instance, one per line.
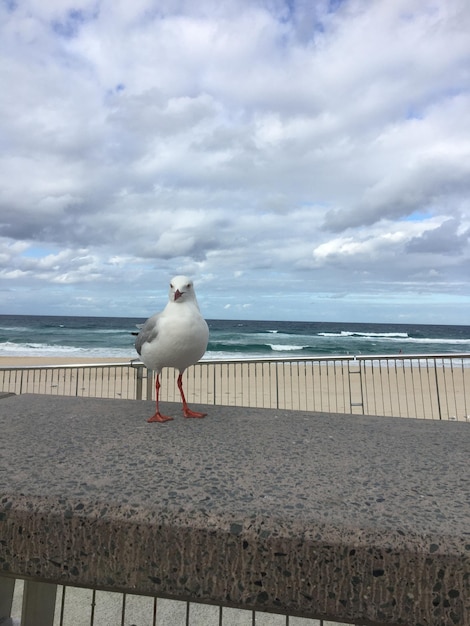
(359, 519)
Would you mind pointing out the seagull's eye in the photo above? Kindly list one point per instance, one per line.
(188, 286)
(171, 286)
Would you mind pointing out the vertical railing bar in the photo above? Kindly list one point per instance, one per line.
(464, 388)
(342, 382)
(202, 369)
(430, 395)
(397, 395)
(102, 385)
(187, 613)
(214, 384)
(402, 401)
(422, 383)
(333, 365)
(235, 386)
(277, 385)
(154, 612)
(295, 374)
(284, 404)
(362, 376)
(444, 403)
(107, 375)
(361, 363)
(93, 605)
(420, 373)
(452, 385)
(437, 390)
(350, 387)
(405, 387)
(308, 384)
(287, 386)
(331, 378)
(371, 397)
(320, 385)
(291, 378)
(268, 401)
(107, 381)
(454, 394)
(389, 387)
(413, 387)
(62, 606)
(381, 375)
(265, 385)
(426, 397)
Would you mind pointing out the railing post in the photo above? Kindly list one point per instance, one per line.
(38, 604)
(139, 383)
(76, 382)
(7, 588)
(149, 384)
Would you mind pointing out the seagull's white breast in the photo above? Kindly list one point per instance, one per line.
(181, 339)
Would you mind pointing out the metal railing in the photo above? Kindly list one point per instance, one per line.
(424, 386)
(73, 606)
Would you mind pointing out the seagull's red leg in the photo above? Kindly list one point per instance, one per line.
(186, 410)
(158, 417)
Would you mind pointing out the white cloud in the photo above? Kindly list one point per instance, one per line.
(261, 147)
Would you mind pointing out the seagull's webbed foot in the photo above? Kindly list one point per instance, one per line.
(158, 417)
(188, 413)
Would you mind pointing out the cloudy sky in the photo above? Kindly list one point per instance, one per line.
(300, 159)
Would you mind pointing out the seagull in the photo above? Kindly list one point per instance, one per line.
(176, 337)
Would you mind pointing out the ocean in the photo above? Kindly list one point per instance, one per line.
(100, 337)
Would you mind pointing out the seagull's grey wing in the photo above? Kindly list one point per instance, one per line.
(148, 332)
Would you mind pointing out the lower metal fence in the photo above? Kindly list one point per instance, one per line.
(423, 386)
(73, 606)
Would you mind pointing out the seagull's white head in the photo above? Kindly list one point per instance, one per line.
(181, 289)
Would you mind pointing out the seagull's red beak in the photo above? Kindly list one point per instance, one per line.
(178, 294)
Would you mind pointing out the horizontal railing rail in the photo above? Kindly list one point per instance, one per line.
(434, 386)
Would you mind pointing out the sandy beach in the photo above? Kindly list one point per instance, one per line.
(395, 387)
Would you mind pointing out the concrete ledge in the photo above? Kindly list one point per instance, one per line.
(348, 518)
